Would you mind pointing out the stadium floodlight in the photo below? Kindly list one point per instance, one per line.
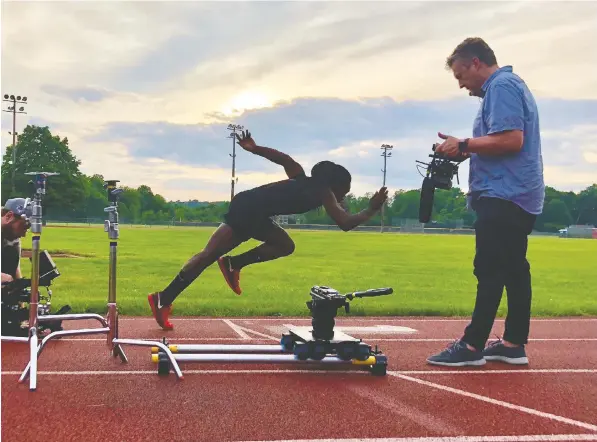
(233, 128)
(385, 154)
(13, 100)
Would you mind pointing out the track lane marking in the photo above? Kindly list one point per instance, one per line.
(521, 438)
(532, 411)
(237, 329)
(307, 371)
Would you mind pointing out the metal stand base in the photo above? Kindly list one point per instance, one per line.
(109, 325)
(116, 347)
(296, 347)
(36, 350)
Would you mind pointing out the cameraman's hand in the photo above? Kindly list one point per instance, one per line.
(448, 147)
(378, 199)
(6, 278)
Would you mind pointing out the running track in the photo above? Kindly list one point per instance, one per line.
(85, 395)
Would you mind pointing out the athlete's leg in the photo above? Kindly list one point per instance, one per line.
(221, 242)
(276, 244)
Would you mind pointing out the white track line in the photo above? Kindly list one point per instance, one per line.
(307, 371)
(532, 411)
(173, 341)
(154, 372)
(512, 371)
(521, 438)
(357, 318)
(237, 329)
(263, 335)
(451, 339)
(269, 338)
(390, 402)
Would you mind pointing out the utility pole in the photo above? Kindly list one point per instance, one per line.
(385, 155)
(14, 100)
(233, 128)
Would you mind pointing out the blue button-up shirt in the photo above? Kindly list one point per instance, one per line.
(518, 177)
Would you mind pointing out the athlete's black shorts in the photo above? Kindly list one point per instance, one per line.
(247, 223)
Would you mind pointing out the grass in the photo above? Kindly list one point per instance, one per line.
(430, 274)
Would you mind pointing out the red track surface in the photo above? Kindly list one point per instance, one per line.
(83, 394)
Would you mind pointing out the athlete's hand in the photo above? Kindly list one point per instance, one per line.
(378, 199)
(6, 278)
(246, 142)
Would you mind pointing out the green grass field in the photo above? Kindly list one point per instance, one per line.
(430, 274)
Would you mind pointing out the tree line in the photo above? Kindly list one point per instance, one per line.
(74, 195)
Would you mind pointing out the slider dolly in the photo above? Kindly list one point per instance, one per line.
(318, 345)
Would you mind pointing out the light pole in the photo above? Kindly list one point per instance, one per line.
(385, 155)
(233, 128)
(14, 100)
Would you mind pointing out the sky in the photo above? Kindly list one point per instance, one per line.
(144, 91)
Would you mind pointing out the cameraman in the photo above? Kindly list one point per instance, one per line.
(506, 190)
(14, 226)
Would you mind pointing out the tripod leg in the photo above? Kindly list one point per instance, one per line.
(118, 351)
(32, 361)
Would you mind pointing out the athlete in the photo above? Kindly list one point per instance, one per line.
(249, 216)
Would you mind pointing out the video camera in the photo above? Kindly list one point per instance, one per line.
(17, 295)
(326, 301)
(439, 175)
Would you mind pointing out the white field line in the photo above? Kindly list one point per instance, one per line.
(504, 404)
(521, 438)
(356, 318)
(310, 371)
(237, 329)
(372, 338)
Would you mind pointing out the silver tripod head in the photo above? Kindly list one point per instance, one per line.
(111, 224)
(34, 210)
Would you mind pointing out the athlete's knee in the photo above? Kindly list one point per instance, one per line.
(287, 247)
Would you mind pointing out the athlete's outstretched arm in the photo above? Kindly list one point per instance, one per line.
(291, 167)
(345, 220)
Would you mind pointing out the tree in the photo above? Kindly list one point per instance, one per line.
(38, 150)
(555, 215)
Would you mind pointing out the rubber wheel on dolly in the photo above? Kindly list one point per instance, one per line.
(301, 351)
(378, 369)
(317, 350)
(346, 350)
(287, 342)
(163, 365)
(363, 351)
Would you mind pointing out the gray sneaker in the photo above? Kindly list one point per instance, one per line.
(497, 351)
(457, 354)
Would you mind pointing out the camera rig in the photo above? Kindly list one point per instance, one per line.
(319, 344)
(16, 299)
(439, 175)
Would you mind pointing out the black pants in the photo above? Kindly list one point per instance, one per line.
(501, 235)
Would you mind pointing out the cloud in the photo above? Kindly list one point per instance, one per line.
(89, 94)
(352, 133)
(182, 62)
(133, 83)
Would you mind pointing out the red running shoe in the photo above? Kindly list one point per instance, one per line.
(160, 313)
(231, 275)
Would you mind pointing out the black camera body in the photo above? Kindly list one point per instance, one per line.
(17, 295)
(439, 175)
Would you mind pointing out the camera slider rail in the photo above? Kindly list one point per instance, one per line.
(300, 345)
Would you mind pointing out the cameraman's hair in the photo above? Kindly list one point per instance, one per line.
(470, 48)
(4, 211)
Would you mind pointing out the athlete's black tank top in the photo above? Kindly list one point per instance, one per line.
(286, 197)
